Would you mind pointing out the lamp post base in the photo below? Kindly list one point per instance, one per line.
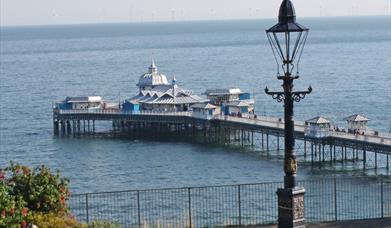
(291, 207)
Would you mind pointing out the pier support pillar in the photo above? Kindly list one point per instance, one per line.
(312, 152)
(357, 151)
(68, 123)
(364, 159)
(318, 153)
(242, 137)
(62, 127)
(252, 139)
(267, 141)
(73, 127)
(56, 127)
(305, 149)
(346, 153)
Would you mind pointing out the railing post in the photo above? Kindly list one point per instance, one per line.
(335, 200)
(87, 216)
(189, 199)
(239, 206)
(382, 199)
(138, 209)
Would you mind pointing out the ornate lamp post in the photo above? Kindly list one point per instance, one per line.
(287, 39)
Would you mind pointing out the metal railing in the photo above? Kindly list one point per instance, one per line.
(366, 138)
(244, 204)
(122, 112)
(88, 111)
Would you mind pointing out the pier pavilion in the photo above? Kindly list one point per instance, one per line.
(157, 95)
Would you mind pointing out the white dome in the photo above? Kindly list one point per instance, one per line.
(152, 78)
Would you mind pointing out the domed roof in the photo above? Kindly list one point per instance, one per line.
(152, 78)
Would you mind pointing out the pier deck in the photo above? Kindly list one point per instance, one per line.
(261, 133)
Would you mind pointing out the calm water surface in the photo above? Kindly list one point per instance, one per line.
(347, 61)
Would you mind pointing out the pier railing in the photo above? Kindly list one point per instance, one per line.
(261, 120)
(242, 204)
(367, 138)
(122, 112)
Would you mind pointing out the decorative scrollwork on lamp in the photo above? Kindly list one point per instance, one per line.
(299, 95)
(279, 96)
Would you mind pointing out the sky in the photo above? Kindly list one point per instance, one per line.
(42, 12)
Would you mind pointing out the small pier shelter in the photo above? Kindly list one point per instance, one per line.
(205, 110)
(317, 127)
(357, 123)
(238, 108)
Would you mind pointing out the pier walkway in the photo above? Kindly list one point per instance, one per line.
(275, 123)
(261, 133)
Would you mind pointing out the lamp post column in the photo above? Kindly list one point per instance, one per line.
(290, 198)
(290, 165)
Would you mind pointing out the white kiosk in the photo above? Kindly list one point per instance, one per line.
(357, 123)
(204, 110)
(317, 127)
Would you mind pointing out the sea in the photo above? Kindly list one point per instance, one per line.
(346, 60)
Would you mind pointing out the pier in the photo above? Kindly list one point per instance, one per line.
(257, 133)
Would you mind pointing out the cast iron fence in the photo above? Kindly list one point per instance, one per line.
(244, 204)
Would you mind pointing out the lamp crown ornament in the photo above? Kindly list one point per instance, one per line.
(287, 12)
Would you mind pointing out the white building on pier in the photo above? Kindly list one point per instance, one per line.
(231, 101)
(156, 94)
(357, 123)
(82, 102)
(317, 127)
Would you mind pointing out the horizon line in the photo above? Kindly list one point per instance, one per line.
(176, 21)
